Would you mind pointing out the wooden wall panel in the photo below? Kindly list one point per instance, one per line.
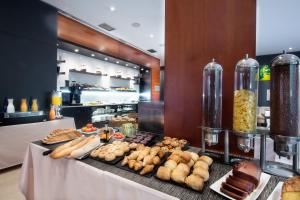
(75, 32)
(196, 32)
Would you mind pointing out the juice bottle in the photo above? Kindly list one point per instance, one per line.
(52, 113)
(24, 107)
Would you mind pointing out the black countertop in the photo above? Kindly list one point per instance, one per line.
(217, 170)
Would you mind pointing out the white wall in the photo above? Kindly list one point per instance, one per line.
(78, 62)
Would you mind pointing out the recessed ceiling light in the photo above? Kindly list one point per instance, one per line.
(105, 58)
(147, 71)
(135, 67)
(290, 48)
(112, 8)
(92, 55)
(135, 24)
(117, 62)
(76, 50)
(142, 69)
(57, 44)
(151, 36)
(126, 65)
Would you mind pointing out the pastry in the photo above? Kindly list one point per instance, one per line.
(174, 157)
(202, 164)
(171, 164)
(195, 182)
(201, 172)
(137, 166)
(65, 146)
(164, 173)
(93, 142)
(233, 191)
(154, 151)
(156, 160)
(110, 156)
(241, 184)
(186, 157)
(247, 170)
(161, 153)
(206, 159)
(133, 145)
(291, 189)
(178, 176)
(119, 153)
(102, 155)
(148, 160)
(191, 163)
(125, 161)
(133, 155)
(131, 163)
(147, 169)
(61, 135)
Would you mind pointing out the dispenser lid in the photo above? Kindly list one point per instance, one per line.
(213, 65)
(285, 59)
(247, 62)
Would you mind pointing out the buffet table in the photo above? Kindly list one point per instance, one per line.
(63, 179)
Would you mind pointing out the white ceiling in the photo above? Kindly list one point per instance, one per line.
(277, 22)
(149, 13)
(278, 26)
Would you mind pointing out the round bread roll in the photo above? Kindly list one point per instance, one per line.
(119, 153)
(126, 149)
(186, 157)
(206, 159)
(195, 182)
(177, 152)
(110, 156)
(183, 167)
(133, 145)
(164, 173)
(178, 176)
(102, 155)
(201, 172)
(191, 163)
(176, 158)
(171, 164)
(156, 160)
(202, 164)
(195, 156)
(116, 142)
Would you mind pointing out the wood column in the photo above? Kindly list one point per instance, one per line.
(196, 32)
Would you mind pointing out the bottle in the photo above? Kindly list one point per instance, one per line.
(24, 107)
(34, 106)
(10, 107)
(52, 113)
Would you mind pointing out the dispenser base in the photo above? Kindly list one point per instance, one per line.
(280, 170)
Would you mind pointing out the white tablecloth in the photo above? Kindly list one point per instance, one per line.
(43, 178)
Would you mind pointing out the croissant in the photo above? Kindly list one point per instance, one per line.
(154, 151)
(156, 160)
(174, 157)
(131, 163)
(148, 160)
(147, 169)
(195, 182)
(133, 155)
(161, 153)
(125, 161)
(137, 166)
(142, 154)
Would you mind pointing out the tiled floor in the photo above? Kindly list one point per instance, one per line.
(9, 185)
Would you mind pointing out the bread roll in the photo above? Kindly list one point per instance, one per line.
(171, 164)
(164, 173)
(119, 153)
(183, 167)
(195, 182)
(137, 166)
(195, 156)
(102, 154)
(178, 176)
(191, 163)
(110, 156)
(148, 160)
(67, 145)
(156, 160)
(206, 159)
(202, 164)
(186, 157)
(133, 145)
(291, 189)
(174, 157)
(202, 173)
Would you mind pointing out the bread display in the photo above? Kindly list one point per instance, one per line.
(185, 168)
(291, 189)
(61, 135)
(141, 138)
(76, 148)
(172, 144)
(143, 159)
(112, 151)
(245, 179)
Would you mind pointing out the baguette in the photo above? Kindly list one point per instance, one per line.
(90, 145)
(66, 145)
(68, 150)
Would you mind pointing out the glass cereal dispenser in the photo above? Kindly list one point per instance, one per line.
(245, 102)
(212, 102)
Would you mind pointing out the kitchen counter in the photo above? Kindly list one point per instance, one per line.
(216, 172)
(99, 105)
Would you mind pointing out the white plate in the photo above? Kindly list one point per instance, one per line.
(276, 194)
(264, 179)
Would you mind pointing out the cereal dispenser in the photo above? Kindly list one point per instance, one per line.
(212, 106)
(285, 106)
(245, 101)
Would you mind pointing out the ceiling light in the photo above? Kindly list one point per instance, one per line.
(151, 36)
(112, 8)
(135, 67)
(135, 24)
(92, 55)
(105, 58)
(57, 44)
(117, 62)
(126, 65)
(290, 48)
(76, 50)
(142, 69)
(147, 71)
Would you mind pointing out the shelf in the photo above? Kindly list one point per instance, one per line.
(88, 73)
(115, 77)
